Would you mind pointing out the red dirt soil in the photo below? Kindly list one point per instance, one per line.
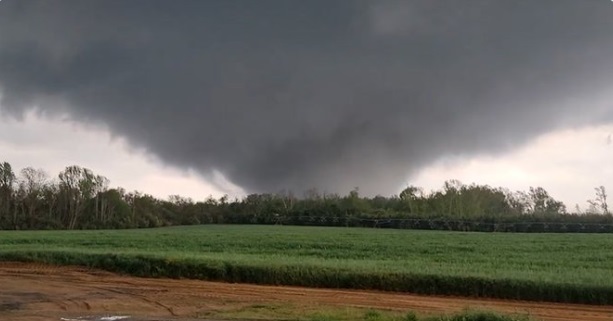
(31, 292)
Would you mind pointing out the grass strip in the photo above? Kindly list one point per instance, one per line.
(316, 276)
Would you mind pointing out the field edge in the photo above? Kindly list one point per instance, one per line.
(320, 277)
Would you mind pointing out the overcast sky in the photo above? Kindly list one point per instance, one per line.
(568, 163)
(212, 97)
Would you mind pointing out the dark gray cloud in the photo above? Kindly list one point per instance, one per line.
(329, 94)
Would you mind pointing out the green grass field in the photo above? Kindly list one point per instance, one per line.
(319, 313)
(549, 267)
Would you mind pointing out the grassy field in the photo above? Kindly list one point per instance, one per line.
(322, 313)
(548, 267)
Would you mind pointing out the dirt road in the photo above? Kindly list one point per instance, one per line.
(39, 292)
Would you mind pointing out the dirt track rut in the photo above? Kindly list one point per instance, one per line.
(32, 292)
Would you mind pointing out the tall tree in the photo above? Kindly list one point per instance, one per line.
(410, 198)
(77, 186)
(8, 212)
(543, 203)
(32, 183)
(599, 204)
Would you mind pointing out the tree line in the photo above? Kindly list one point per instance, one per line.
(77, 198)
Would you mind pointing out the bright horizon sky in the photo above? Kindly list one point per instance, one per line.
(567, 163)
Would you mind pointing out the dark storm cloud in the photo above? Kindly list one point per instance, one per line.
(300, 94)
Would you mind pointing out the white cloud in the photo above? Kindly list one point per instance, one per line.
(568, 163)
(53, 144)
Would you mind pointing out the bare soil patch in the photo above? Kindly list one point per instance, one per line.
(32, 292)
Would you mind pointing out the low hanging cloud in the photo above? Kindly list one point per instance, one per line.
(324, 94)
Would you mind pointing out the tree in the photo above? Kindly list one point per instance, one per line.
(77, 185)
(8, 212)
(599, 204)
(542, 203)
(410, 196)
(452, 192)
(354, 205)
(32, 183)
(114, 211)
(519, 202)
(80, 199)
